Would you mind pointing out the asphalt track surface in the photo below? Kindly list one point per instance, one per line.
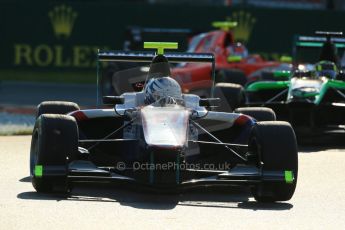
(33, 93)
(317, 204)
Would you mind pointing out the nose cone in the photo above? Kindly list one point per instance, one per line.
(165, 127)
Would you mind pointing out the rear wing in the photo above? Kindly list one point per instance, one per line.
(121, 56)
(137, 29)
(327, 42)
(317, 42)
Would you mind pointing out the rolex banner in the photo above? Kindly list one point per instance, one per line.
(67, 35)
(50, 36)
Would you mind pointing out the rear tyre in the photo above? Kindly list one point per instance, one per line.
(54, 144)
(231, 76)
(56, 107)
(231, 95)
(276, 145)
(259, 113)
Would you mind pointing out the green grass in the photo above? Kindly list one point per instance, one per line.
(85, 77)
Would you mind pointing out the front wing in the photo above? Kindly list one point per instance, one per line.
(85, 171)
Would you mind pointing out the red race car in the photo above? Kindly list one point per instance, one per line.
(233, 62)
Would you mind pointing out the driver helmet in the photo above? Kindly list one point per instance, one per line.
(326, 69)
(238, 49)
(163, 90)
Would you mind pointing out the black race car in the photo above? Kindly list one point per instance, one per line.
(160, 139)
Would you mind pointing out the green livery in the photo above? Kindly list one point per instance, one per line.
(38, 171)
(267, 85)
(317, 95)
(306, 102)
(160, 46)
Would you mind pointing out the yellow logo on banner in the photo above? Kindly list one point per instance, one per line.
(245, 25)
(62, 19)
(58, 55)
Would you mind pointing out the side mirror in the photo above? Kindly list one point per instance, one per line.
(113, 100)
(234, 58)
(209, 102)
(139, 86)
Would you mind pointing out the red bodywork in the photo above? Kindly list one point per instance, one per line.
(194, 76)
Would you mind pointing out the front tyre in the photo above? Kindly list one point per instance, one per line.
(54, 144)
(275, 143)
(259, 113)
(56, 107)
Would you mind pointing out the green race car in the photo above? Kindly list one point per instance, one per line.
(310, 96)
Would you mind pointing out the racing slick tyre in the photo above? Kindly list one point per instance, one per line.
(231, 76)
(275, 143)
(54, 143)
(56, 107)
(231, 95)
(259, 113)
